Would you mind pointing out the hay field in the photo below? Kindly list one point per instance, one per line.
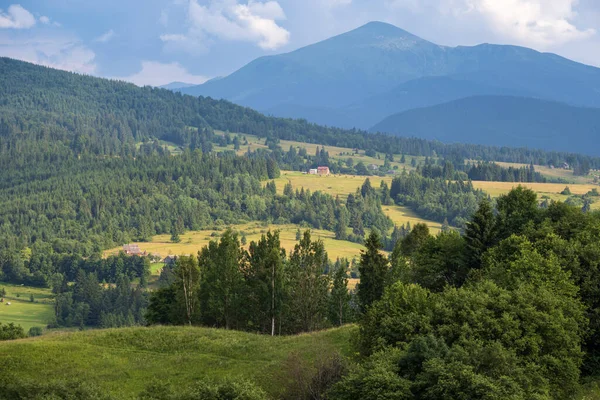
(192, 242)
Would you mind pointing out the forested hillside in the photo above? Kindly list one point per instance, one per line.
(75, 114)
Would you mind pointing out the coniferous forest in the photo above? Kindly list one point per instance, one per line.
(503, 303)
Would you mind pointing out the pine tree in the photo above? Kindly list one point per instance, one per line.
(308, 285)
(373, 269)
(265, 280)
(480, 233)
(339, 298)
(341, 228)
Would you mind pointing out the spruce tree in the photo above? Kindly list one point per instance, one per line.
(373, 269)
(339, 298)
(480, 234)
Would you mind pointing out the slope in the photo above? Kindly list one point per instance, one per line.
(122, 362)
(502, 121)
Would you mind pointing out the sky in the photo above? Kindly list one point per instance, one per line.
(155, 42)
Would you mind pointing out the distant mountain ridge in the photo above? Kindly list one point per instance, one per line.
(502, 121)
(177, 85)
(358, 78)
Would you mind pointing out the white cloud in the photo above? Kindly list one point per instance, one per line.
(44, 20)
(337, 3)
(157, 74)
(105, 37)
(56, 51)
(541, 22)
(253, 21)
(16, 17)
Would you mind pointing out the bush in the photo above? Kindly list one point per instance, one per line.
(206, 390)
(15, 388)
(11, 332)
(303, 380)
(35, 331)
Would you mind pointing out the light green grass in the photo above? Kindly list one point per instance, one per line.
(553, 173)
(343, 185)
(22, 311)
(335, 153)
(194, 241)
(124, 361)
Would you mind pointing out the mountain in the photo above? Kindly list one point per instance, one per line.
(358, 78)
(502, 121)
(177, 85)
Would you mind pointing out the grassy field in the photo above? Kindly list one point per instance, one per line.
(553, 190)
(336, 153)
(192, 242)
(24, 312)
(553, 173)
(124, 361)
(343, 185)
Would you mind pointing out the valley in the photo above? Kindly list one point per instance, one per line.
(426, 228)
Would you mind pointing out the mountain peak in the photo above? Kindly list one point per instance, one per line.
(383, 30)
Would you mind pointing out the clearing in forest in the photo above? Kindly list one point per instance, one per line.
(22, 311)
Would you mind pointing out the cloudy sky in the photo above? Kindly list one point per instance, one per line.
(160, 41)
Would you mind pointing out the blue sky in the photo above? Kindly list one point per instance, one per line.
(160, 41)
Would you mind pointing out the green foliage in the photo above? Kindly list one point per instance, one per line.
(13, 387)
(308, 286)
(11, 332)
(35, 331)
(436, 198)
(206, 390)
(480, 234)
(340, 311)
(516, 211)
(373, 269)
(414, 240)
(494, 172)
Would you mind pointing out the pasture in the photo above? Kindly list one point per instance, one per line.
(336, 153)
(343, 185)
(122, 362)
(22, 311)
(193, 241)
(553, 173)
(552, 190)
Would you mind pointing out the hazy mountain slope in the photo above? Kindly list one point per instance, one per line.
(177, 85)
(502, 121)
(340, 70)
(418, 93)
(362, 74)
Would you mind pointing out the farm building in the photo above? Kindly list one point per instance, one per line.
(313, 171)
(323, 170)
(133, 250)
(373, 167)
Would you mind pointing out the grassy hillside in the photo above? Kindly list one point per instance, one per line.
(124, 361)
(22, 311)
(193, 241)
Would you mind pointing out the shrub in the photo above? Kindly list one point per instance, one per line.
(11, 332)
(35, 331)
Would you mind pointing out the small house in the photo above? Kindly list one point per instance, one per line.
(323, 171)
(373, 167)
(313, 171)
(133, 250)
